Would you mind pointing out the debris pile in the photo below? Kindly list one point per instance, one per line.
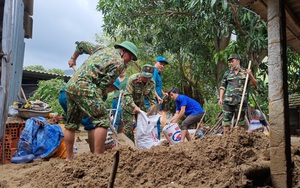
(238, 159)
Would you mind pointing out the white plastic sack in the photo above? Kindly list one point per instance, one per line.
(146, 132)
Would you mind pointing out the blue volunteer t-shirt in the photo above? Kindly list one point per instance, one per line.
(158, 82)
(192, 107)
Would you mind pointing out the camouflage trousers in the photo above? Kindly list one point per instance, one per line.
(229, 111)
(91, 106)
(128, 124)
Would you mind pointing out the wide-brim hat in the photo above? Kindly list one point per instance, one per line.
(130, 47)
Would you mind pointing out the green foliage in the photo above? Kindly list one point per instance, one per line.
(212, 110)
(48, 91)
(35, 68)
(189, 34)
(258, 99)
(56, 71)
(293, 71)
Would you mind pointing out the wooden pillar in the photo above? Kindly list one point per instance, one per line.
(280, 150)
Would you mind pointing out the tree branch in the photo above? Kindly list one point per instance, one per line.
(171, 12)
(234, 9)
(183, 75)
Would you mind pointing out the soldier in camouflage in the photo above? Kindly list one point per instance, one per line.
(140, 86)
(232, 86)
(93, 79)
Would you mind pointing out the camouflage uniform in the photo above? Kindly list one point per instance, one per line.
(233, 86)
(90, 83)
(135, 94)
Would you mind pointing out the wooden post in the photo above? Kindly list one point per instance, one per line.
(280, 141)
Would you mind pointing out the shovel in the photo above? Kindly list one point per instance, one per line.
(198, 126)
(243, 96)
(154, 109)
(120, 138)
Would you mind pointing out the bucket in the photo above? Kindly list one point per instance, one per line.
(254, 124)
(172, 133)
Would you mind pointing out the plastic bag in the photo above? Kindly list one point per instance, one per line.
(146, 132)
(13, 110)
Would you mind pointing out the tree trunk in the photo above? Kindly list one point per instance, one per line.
(221, 44)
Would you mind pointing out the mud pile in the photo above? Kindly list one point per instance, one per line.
(238, 159)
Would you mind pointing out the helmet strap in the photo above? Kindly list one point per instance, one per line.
(124, 52)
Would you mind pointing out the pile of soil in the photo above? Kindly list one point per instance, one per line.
(238, 159)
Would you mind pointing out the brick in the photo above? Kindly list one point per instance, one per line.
(9, 153)
(8, 145)
(13, 125)
(8, 137)
(15, 142)
(13, 132)
(23, 124)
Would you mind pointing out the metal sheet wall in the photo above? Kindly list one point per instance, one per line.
(12, 58)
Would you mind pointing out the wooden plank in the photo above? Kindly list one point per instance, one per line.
(28, 6)
(28, 22)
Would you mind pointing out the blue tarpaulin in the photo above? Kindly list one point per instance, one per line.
(39, 138)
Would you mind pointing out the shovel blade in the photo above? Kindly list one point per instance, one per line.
(122, 139)
(154, 109)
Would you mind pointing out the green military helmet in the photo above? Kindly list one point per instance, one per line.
(130, 47)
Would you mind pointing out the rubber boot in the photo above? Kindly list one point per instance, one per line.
(91, 140)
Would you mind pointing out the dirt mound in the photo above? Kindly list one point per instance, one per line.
(238, 159)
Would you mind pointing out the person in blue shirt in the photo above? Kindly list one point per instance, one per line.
(185, 106)
(159, 66)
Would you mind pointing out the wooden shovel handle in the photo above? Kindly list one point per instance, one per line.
(254, 98)
(23, 94)
(243, 96)
(114, 170)
(74, 67)
(199, 124)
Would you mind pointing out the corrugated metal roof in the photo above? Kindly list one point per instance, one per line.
(43, 75)
(294, 99)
